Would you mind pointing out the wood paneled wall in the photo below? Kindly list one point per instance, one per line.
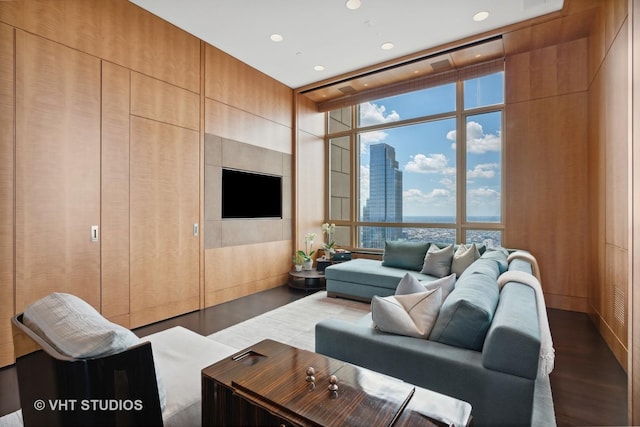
(546, 167)
(57, 171)
(609, 136)
(105, 126)
(244, 105)
(310, 158)
(7, 146)
(567, 162)
(115, 216)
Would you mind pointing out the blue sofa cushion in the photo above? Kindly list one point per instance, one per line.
(499, 256)
(406, 255)
(467, 313)
(370, 272)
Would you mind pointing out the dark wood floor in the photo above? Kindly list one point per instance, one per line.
(589, 386)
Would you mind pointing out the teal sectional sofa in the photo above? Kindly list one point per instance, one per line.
(484, 346)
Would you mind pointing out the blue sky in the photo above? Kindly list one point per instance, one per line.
(426, 152)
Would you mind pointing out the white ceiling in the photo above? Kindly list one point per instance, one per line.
(325, 32)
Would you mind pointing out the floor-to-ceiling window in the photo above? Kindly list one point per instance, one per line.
(422, 165)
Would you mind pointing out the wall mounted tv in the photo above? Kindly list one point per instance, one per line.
(251, 195)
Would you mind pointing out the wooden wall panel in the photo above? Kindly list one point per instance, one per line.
(231, 123)
(546, 72)
(156, 100)
(233, 272)
(548, 215)
(609, 96)
(7, 146)
(115, 193)
(308, 118)
(57, 171)
(164, 206)
(235, 83)
(310, 161)
(633, 397)
(115, 30)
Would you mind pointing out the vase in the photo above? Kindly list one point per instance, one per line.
(298, 267)
(308, 264)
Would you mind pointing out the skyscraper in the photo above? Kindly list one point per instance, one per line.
(385, 196)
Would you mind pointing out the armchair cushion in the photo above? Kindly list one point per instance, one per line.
(76, 329)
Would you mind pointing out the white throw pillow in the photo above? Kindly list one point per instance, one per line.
(409, 284)
(446, 283)
(437, 262)
(463, 258)
(412, 315)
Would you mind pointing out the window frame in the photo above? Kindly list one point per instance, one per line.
(461, 225)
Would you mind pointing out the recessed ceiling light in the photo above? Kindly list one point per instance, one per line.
(276, 37)
(318, 68)
(386, 46)
(481, 16)
(353, 4)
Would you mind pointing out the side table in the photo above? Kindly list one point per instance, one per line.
(308, 280)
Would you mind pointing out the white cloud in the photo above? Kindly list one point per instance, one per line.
(369, 138)
(373, 114)
(483, 193)
(477, 141)
(483, 170)
(448, 183)
(416, 195)
(431, 163)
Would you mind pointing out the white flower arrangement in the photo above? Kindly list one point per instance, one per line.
(330, 244)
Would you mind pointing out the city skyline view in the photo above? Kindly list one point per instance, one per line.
(427, 152)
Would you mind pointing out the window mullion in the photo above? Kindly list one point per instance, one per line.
(461, 163)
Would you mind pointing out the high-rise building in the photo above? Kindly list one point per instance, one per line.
(385, 196)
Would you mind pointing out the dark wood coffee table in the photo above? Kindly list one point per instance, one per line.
(267, 384)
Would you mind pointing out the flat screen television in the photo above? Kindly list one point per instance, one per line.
(251, 195)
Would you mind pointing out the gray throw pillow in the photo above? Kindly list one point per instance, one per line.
(437, 262)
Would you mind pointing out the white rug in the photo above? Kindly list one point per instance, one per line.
(294, 324)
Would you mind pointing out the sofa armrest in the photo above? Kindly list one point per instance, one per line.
(512, 344)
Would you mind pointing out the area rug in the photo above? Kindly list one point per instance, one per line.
(294, 324)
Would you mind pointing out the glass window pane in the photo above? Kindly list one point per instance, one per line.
(484, 167)
(340, 178)
(484, 91)
(408, 174)
(340, 120)
(374, 237)
(489, 238)
(426, 102)
(342, 237)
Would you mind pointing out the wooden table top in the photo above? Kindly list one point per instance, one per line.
(274, 376)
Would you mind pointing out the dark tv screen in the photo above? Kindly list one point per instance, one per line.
(251, 195)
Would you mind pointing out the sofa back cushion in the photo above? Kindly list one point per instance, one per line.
(499, 255)
(405, 255)
(467, 313)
